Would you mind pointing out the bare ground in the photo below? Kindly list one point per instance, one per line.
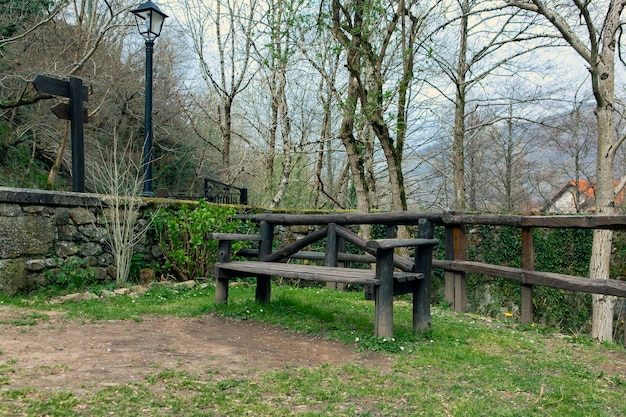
(60, 354)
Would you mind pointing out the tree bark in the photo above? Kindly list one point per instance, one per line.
(458, 146)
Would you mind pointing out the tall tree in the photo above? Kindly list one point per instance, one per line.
(486, 44)
(592, 29)
(375, 36)
(222, 31)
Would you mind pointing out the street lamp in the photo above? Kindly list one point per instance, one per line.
(149, 22)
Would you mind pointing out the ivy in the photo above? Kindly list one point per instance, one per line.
(564, 251)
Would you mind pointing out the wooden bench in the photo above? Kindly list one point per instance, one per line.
(384, 282)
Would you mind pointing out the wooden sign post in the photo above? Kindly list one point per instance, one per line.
(75, 112)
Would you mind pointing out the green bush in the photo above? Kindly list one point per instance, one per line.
(183, 237)
(72, 275)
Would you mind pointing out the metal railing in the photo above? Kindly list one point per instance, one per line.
(218, 192)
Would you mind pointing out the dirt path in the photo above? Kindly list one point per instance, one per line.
(60, 354)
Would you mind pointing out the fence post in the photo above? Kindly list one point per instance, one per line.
(455, 282)
(528, 263)
(264, 282)
(333, 247)
(421, 292)
(243, 196)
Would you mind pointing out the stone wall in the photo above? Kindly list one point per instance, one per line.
(39, 230)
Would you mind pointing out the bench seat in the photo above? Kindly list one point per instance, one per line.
(226, 270)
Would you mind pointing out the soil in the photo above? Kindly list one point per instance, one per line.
(54, 353)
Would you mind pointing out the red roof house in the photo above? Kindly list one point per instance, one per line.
(578, 198)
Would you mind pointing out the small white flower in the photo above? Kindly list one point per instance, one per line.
(401, 347)
(357, 339)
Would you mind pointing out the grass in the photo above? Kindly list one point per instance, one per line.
(465, 366)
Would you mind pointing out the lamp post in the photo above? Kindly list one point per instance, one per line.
(149, 22)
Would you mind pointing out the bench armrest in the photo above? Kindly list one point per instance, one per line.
(233, 236)
(398, 243)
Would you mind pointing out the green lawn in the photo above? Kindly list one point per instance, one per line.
(465, 366)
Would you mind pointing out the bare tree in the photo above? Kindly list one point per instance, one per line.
(592, 29)
(486, 47)
(120, 181)
(231, 25)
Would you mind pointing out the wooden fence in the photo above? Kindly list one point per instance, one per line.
(456, 264)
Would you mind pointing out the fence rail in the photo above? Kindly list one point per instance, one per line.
(456, 265)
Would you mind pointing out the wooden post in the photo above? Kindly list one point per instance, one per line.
(77, 134)
(332, 253)
(383, 326)
(264, 282)
(449, 275)
(455, 282)
(332, 247)
(421, 293)
(528, 263)
(221, 285)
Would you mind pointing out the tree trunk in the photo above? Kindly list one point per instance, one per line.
(54, 170)
(603, 305)
(458, 152)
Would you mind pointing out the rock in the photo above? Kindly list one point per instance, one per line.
(107, 260)
(62, 216)
(82, 216)
(94, 233)
(100, 273)
(75, 297)
(10, 210)
(12, 276)
(138, 290)
(146, 275)
(122, 291)
(25, 235)
(111, 271)
(34, 209)
(65, 248)
(91, 249)
(90, 261)
(157, 251)
(161, 284)
(189, 284)
(107, 293)
(68, 232)
(35, 264)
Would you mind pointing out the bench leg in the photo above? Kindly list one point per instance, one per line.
(421, 306)
(421, 293)
(383, 326)
(263, 288)
(221, 290)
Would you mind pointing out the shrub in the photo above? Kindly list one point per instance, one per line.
(72, 274)
(182, 236)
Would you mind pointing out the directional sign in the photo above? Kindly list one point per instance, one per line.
(56, 87)
(76, 113)
(62, 111)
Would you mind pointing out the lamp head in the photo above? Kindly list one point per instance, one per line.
(149, 20)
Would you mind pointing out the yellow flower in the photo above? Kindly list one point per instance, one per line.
(508, 314)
